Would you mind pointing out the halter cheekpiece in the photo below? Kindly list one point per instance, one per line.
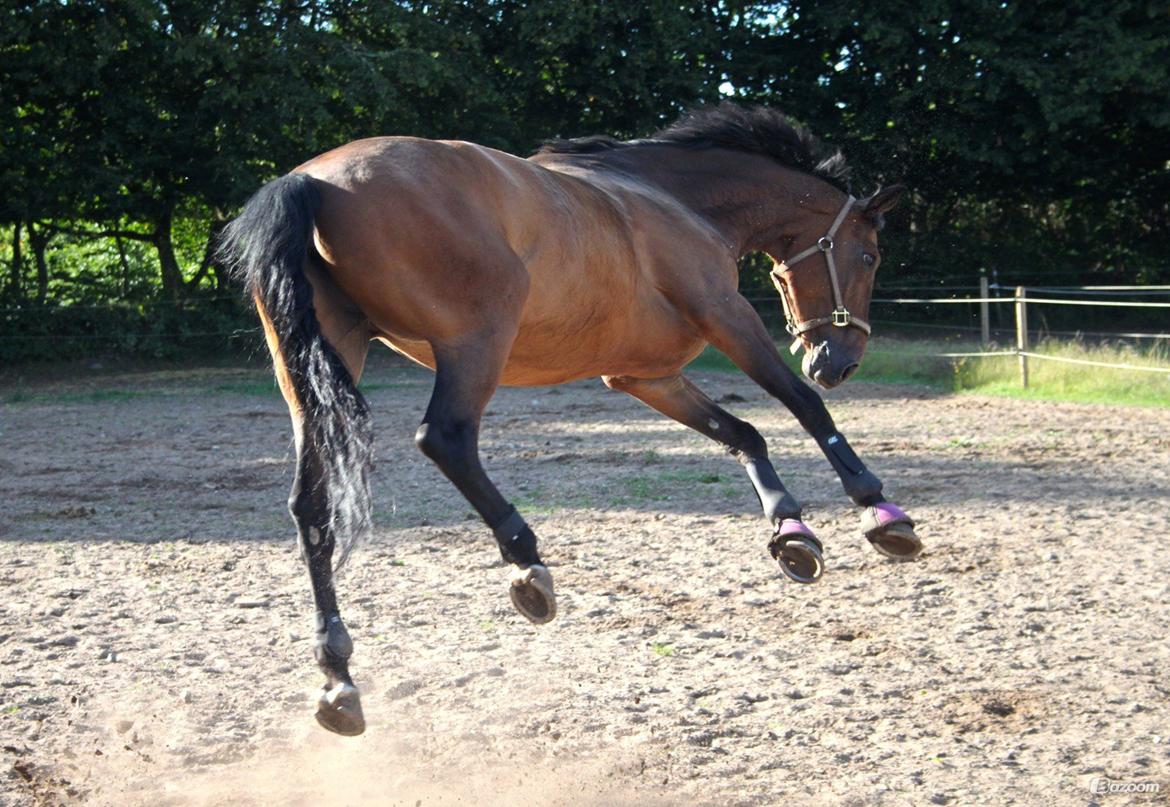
(840, 316)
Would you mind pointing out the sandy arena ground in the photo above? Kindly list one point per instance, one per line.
(155, 619)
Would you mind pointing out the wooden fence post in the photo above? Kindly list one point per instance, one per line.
(1022, 333)
(985, 308)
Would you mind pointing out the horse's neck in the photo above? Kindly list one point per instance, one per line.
(753, 201)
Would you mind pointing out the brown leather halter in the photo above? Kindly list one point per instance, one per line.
(840, 316)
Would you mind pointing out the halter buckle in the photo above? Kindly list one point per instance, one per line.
(825, 243)
(841, 317)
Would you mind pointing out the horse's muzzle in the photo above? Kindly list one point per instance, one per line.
(828, 366)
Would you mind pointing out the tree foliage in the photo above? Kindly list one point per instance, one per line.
(1034, 135)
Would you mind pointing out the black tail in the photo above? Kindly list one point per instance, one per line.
(267, 247)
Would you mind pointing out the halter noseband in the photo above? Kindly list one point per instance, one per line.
(840, 316)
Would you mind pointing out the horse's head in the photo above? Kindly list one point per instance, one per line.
(825, 280)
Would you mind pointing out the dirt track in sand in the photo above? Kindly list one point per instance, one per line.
(154, 618)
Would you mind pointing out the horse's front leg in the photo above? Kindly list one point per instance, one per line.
(734, 328)
(794, 545)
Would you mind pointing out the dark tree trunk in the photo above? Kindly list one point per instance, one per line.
(172, 275)
(39, 241)
(218, 223)
(222, 280)
(222, 277)
(16, 278)
(124, 284)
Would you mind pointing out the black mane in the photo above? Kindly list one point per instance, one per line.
(754, 129)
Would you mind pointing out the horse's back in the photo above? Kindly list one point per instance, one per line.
(434, 239)
(465, 193)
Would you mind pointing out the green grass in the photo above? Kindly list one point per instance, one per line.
(538, 501)
(712, 359)
(660, 487)
(1051, 380)
(910, 362)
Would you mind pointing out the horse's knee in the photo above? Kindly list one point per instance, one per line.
(748, 444)
(809, 408)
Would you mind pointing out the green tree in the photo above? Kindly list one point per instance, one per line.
(1033, 133)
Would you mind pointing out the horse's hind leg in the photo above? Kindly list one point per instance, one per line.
(793, 544)
(339, 707)
(466, 375)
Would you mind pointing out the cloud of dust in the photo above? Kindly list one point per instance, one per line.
(377, 768)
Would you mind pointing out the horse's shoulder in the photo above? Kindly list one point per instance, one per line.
(665, 234)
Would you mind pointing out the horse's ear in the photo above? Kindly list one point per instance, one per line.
(883, 201)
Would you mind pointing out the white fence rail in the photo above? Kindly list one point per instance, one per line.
(1020, 300)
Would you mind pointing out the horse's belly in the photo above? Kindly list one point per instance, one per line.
(559, 352)
(537, 360)
(523, 372)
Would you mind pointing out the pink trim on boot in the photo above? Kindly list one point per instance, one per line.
(790, 526)
(888, 512)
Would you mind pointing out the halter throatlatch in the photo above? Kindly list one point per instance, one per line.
(840, 317)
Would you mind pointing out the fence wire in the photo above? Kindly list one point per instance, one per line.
(1087, 362)
(1023, 299)
(1103, 290)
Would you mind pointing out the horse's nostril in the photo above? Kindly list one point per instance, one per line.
(850, 370)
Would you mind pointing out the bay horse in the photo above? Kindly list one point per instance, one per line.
(593, 257)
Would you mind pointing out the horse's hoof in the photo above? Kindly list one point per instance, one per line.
(532, 593)
(891, 531)
(897, 541)
(798, 551)
(340, 710)
(801, 560)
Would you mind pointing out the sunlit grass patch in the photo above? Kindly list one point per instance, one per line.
(915, 362)
(663, 486)
(1074, 382)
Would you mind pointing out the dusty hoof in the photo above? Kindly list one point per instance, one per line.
(340, 710)
(897, 541)
(532, 594)
(798, 551)
(801, 560)
(891, 531)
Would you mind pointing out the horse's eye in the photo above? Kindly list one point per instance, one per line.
(868, 259)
